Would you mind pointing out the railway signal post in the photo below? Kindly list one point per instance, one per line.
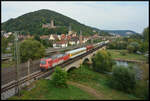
(29, 63)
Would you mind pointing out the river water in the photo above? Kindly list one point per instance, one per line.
(135, 66)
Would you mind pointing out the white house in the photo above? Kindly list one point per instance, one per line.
(51, 37)
(72, 42)
(85, 39)
(7, 34)
(59, 37)
(60, 44)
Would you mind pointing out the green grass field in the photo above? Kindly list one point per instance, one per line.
(129, 56)
(44, 90)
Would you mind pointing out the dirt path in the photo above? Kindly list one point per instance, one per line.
(88, 89)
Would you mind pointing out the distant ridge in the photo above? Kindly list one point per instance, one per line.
(121, 32)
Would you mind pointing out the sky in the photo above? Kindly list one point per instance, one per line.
(113, 15)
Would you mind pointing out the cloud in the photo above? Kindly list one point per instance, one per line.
(103, 15)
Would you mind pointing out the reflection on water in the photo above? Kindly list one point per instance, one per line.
(118, 63)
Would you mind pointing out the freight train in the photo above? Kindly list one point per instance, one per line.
(49, 62)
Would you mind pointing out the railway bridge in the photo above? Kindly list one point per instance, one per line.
(9, 87)
(77, 63)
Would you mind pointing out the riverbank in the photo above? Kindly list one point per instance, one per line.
(130, 57)
(126, 60)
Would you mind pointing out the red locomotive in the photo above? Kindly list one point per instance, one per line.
(47, 63)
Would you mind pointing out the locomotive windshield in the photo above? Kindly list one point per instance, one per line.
(43, 62)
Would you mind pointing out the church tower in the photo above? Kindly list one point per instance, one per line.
(52, 23)
(69, 32)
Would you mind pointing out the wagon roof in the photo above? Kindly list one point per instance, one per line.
(76, 50)
(56, 56)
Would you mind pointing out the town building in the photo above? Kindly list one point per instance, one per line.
(85, 39)
(60, 44)
(54, 37)
(74, 41)
(6, 35)
(51, 37)
(63, 36)
(44, 37)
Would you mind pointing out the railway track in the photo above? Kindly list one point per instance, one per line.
(20, 82)
(46, 73)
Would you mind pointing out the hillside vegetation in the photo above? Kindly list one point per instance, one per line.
(32, 23)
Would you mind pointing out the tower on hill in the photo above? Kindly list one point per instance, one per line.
(49, 25)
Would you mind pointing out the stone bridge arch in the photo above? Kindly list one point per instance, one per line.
(86, 61)
(93, 54)
(71, 69)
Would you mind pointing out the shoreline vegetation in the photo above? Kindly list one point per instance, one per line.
(129, 57)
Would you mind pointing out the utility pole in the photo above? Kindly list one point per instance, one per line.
(91, 40)
(29, 71)
(17, 62)
(80, 38)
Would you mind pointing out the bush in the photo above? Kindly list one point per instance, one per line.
(130, 49)
(102, 61)
(59, 77)
(123, 53)
(123, 79)
(142, 89)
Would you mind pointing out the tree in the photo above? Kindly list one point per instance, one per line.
(37, 37)
(11, 38)
(102, 61)
(130, 48)
(133, 47)
(59, 77)
(146, 34)
(144, 47)
(123, 79)
(46, 43)
(4, 44)
(136, 36)
(31, 48)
